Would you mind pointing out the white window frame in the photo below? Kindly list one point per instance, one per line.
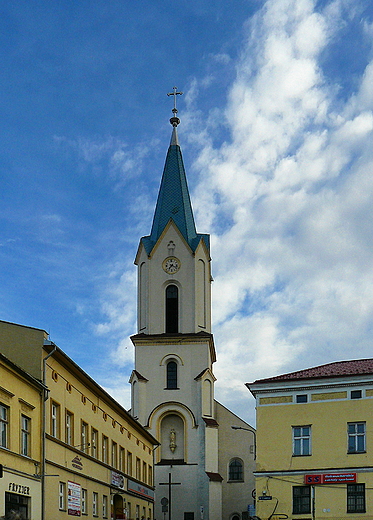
(355, 436)
(55, 422)
(84, 436)
(104, 506)
(4, 425)
(25, 435)
(94, 446)
(69, 427)
(94, 504)
(114, 454)
(84, 501)
(302, 440)
(62, 496)
(105, 442)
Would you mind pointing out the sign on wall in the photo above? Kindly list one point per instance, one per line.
(330, 478)
(73, 498)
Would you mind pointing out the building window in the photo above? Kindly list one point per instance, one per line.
(172, 309)
(84, 501)
(355, 498)
(301, 440)
(62, 496)
(301, 398)
(138, 469)
(356, 437)
(171, 375)
(104, 506)
(69, 428)
(301, 500)
(55, 420)
(25, 435)
(94, 441)
(95, 504)
(235, 470)
(84, 442)
(114, 454)
(122, 454)
(18, 503)
(104, 448)
(129, 463)
(4, 412)
(150, 475)
(144, 472)
(137, 512)
(356, 394)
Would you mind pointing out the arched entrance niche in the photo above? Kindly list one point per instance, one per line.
(118, 507)
(172, 437)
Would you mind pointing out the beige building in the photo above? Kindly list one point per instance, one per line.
(88, 456)
(315, 438)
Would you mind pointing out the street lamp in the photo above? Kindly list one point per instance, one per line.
(248, 430)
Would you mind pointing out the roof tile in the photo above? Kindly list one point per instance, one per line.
(336, 369)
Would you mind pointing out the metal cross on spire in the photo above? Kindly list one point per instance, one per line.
(174, 120)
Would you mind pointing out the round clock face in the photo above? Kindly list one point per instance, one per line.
(171, 265)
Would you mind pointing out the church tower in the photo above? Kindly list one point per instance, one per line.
(173, 381)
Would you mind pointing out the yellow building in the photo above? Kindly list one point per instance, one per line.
(21, 397)
(314, 443)
(95, 460)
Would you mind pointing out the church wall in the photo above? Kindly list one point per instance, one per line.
(187, 496)
(215, 501)
(192, 358)
(211, 449)
(237, 495)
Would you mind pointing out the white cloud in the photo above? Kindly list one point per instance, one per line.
(288, 201)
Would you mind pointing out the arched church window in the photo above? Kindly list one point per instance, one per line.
(235, 470)
(172, 309)
(171, 375)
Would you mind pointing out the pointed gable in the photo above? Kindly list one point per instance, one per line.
(173, 202)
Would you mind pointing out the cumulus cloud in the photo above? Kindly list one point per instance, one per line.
(120, 314)
(288, 199)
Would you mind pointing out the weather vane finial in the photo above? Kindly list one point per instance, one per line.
(174, 120)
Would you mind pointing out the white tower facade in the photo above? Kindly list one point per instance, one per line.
(173, 381)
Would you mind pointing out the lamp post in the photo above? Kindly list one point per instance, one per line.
(247, 430)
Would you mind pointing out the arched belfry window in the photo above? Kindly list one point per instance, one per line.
(171, 375)
(172, 309)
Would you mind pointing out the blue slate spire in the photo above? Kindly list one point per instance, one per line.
(173, 201)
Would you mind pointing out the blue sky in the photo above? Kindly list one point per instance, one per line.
(276, 133)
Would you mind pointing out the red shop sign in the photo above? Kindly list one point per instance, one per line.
(329, 478)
